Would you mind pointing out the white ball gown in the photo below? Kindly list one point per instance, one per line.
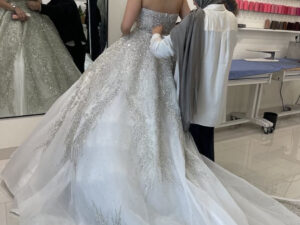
(111, 151)
(36, 67)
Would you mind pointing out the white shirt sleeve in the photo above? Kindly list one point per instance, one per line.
(161, 47)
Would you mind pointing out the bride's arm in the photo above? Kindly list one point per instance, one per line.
(20, 13)
(185, 9)
(132, 11)
(5, 5)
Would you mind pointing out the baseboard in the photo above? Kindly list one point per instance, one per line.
(5, 153)
(14, 131)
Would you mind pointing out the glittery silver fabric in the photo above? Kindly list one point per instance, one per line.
(48, 67)
(111, 151)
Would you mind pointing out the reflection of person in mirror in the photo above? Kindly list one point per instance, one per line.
(66, 18)
(35, 66)
(17, 13)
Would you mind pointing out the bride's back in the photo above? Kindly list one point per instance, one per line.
(166, 6)
(133, 10)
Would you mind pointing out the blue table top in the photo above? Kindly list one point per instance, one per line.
(243, 68)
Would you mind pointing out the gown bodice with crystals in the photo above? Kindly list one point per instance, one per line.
(111, 151)
(149, 19)
(31, 55)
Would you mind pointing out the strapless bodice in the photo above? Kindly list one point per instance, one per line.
(149, 19)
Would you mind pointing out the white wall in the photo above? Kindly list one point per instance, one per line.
(260, 39)
(116, 10)
(14, 131)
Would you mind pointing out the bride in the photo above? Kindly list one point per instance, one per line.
(111, 150)
(35, 65)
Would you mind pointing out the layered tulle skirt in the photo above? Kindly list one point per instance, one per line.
(112, 151)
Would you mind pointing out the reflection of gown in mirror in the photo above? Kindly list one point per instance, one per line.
(35, 65)
(111, 151)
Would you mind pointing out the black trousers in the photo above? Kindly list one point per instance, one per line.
(204, 139)
(78, 55)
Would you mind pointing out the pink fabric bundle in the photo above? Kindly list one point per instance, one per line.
(251, 6)
(241, 4)
(273, 8)
(289, 10)
(256, 7)
(276, 9)
(284, 10)
(245, 5)
(267, 8)
(280, 7)
(261, 7)
(293, 11)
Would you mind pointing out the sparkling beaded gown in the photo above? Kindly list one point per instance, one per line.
(35, 66)
(111, 151)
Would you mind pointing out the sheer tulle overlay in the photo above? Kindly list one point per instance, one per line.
(111, 151)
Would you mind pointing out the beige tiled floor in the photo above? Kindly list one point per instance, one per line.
(6, 218)
(270, 162)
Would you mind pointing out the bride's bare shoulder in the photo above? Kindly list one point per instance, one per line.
(166, 6)
(134, 7)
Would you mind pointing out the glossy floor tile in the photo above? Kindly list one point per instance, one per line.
(270, 162)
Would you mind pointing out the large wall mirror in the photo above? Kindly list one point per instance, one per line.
(45, 46)
(97, 26)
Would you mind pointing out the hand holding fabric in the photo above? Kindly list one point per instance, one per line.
(20, 14)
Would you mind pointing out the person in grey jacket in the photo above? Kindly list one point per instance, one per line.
(213, 62)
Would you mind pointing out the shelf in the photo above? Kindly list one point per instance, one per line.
(270, 30)
(270, 13)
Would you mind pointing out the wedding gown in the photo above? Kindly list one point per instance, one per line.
(36, 68)
(111, 151)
